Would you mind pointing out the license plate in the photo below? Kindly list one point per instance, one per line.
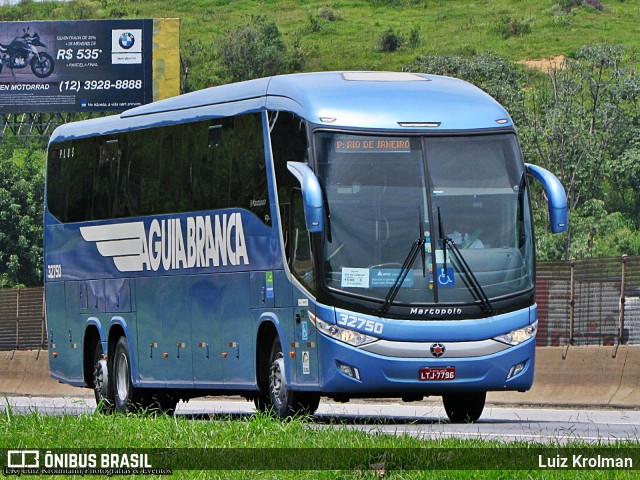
(437, 373)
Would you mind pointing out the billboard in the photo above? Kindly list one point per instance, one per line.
(87, 66)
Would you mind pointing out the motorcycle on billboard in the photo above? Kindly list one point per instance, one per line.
(23, 51)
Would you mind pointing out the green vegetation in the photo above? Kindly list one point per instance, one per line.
(257, 50)
(354, 453)
(581, 120)
(21, 208)
(346, 32)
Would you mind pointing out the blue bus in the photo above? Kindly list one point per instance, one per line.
(337, 234)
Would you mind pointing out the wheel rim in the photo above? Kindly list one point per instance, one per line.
(122, 377)
(278, 381)
(42, 65)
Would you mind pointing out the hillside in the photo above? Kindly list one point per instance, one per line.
(345, 34)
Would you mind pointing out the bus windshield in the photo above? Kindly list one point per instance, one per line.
(383, 193)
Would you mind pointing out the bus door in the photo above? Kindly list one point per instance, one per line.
(302, 266)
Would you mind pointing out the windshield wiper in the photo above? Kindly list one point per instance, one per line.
(470, 280)
(416, 247)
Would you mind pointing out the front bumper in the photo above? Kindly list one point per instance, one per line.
(381, 375)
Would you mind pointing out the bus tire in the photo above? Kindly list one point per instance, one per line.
(310, 402)
(102, 387)
(126, 397)
(159, 402)
(287, 403)
(262, 403)
(464, 407)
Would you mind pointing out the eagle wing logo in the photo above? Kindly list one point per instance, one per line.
(125, 243)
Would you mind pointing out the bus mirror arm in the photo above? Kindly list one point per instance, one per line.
(556, 196)
(311, 195)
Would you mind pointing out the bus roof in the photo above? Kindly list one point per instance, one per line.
(365, 100)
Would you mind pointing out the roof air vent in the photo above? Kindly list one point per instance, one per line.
(384, 77)
(419, 124)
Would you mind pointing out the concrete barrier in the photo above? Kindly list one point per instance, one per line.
(574, 376)
(629, 392)
(27, 373)
(582, 376)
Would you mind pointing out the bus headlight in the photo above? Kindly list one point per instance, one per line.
(516, 337)
(343, 334)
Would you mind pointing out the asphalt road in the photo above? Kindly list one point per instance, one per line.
(426, 420)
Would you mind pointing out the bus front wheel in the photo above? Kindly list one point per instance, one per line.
(464, 407)
(284, 402)
(126, 396)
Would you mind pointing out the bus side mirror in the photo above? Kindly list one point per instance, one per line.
(311, 195)
(556, 196)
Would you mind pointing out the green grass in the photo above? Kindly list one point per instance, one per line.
(349, 39)
(261, 438)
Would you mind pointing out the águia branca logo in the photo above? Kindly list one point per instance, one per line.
(209, 241)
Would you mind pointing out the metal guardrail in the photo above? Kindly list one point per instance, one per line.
(580, 302)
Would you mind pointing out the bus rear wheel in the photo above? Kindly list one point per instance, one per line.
(262, 403)
(127, 398)
(284, 402)
(102, 388)
(464, 407)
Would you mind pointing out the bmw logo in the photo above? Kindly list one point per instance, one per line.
(127, 40)
(437, 349)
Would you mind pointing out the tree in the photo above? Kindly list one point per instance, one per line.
(581, 122)
(578, 124)
(21, 210)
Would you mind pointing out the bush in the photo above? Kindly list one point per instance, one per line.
(117, 13)
(258, 50)
(510, 27)
(390, 41)
(396, 3)
(414, 38)
(328, 14)
(567, 5)
(315, 25)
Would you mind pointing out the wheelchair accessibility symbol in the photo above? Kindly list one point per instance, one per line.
(445, 278)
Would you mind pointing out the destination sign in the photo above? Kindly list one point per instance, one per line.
(365, 144)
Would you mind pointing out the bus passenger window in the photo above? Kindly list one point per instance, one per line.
(105, 181)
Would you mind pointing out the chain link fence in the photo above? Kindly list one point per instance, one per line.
(581, 302)
(589, 302)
